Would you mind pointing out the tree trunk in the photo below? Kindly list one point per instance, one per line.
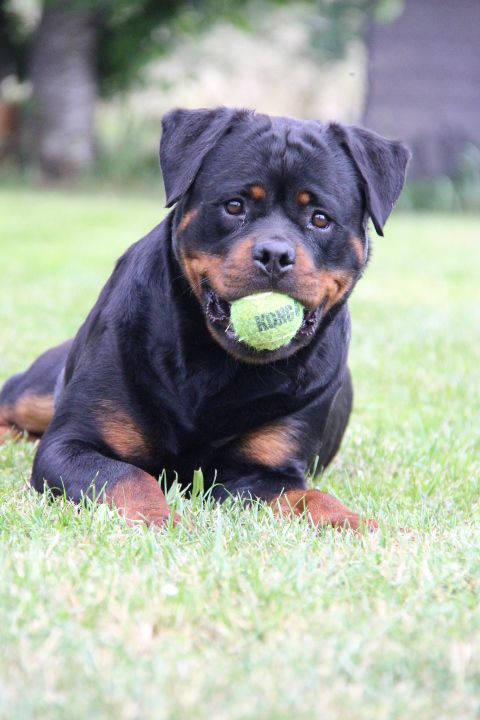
(424, 81)
(63, 76)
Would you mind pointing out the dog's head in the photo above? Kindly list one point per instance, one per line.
(273, 203)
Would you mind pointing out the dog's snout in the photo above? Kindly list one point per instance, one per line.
(274, 257)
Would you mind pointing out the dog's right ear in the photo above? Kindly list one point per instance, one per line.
(381, 165)
(187, 136)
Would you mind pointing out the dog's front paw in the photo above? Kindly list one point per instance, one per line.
(140, 499)
(321, 509)
(162, 519)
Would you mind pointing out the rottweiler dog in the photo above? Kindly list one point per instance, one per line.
(156, 380)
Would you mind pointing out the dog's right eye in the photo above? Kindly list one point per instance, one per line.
(234, 207)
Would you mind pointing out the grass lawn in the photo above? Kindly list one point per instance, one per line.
(245, 616)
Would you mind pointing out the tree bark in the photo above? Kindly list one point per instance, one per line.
(63, 76)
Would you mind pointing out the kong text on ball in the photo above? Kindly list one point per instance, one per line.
(266, 321)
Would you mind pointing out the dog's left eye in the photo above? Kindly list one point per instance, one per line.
(234, 207)
(320, 220)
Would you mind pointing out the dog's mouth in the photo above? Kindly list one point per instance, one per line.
(217, 311)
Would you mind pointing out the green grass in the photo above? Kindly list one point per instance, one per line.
(243, 616)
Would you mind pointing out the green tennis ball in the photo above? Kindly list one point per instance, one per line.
(266, 321)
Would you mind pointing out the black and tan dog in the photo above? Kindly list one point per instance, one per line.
(155, 378)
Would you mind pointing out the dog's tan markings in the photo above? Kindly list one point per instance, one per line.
(202, 266)
(191, 270)
(304, 198)
(335, 285)
(225, 275)
(189, 216)
(32, 413)
(272, 445)
(228, 276)
(319, 287)
(241, 255)
(27, 418)
(258, 192)
(238, 267)
(358, 249)
(320, 508)
(6, 427)
(120, 432)
(305, 266)
(140, 498)
(8, 431)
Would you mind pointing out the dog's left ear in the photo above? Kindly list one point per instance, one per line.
(382, 166)
(187, 136)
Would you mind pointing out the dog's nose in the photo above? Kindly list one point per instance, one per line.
(274, 257)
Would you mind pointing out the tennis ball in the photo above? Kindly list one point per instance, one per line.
(266, 321)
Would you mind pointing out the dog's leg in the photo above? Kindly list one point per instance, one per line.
(285, 490)
(270, 464)
(336, 423)
(320, 509)
(27, 399)
(28, 417)
(80, 471)
(7, 429)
